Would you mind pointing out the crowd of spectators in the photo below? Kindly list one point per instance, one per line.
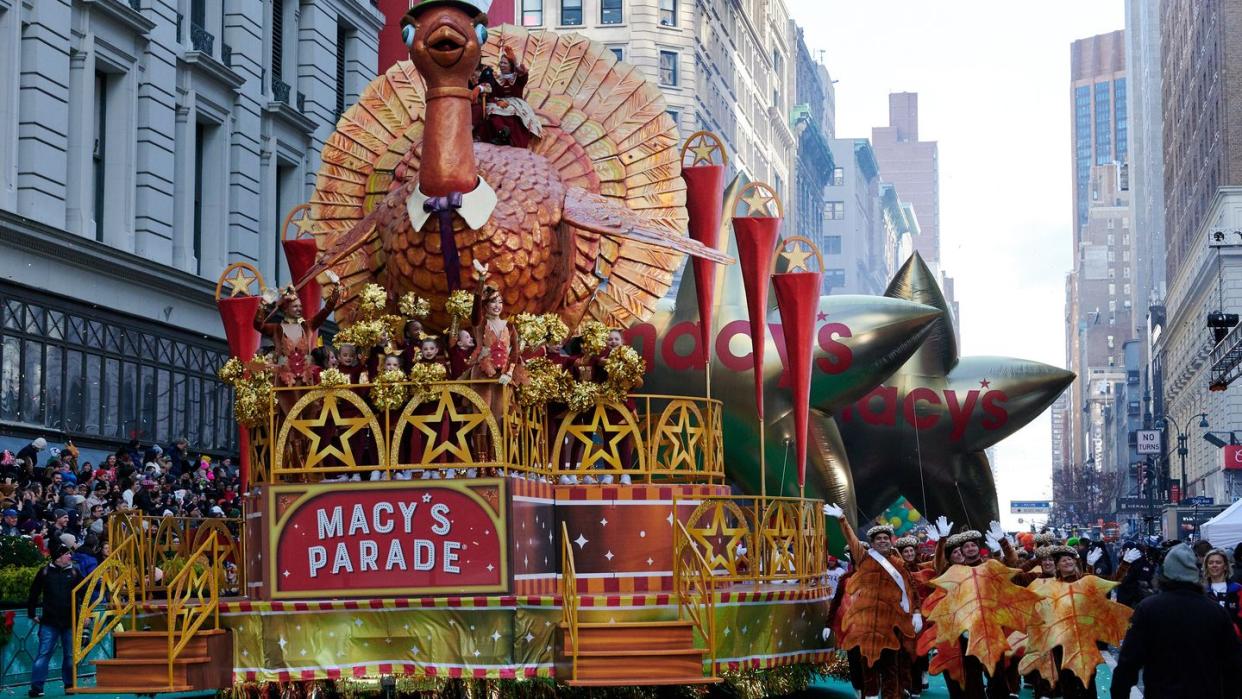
(53, 497)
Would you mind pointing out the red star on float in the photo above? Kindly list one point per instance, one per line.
(984, 383)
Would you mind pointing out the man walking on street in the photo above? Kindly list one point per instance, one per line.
(1181, 640)
(54, 584)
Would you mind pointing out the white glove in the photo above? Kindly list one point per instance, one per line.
(834, 510)
(995, 531)
(827, 633)
(504, 379)
(943, 525)
(1132, 555)
(993, 544)
(1094, 555)
(933, 534)
(917, 620)
(741, 549)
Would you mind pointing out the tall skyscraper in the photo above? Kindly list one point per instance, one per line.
(1100, 291)
(913, 167)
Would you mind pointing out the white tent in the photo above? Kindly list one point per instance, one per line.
(1225, 529)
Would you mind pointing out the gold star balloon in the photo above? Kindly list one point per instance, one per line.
(922, 432)
(860, 341)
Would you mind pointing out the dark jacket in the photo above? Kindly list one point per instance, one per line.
(55, 586)
(1183, 643)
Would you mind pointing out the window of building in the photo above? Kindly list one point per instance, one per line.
(532, 13)
(834, 278)
(832, 245)
(1103, 124)
(668, 68)
(618, 51)
(287, 196)
(278, 41)
(675, 116)
(668, 13)
(610, 12)
(98, 156)
(838, 177)
(834, 210)
(571, 12)
(1112, 289)
(1119, 108)
(343, 36)
(200, 145)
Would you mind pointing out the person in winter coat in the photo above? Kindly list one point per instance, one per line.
(30, 452)
(1237, 564)
(53, 584)
(1219, 587)
(1184, 643)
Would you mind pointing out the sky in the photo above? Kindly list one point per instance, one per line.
(993, 84)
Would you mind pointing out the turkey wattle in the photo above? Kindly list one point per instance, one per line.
(587, 223)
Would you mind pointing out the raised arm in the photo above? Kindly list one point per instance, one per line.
(851, 540)
(329, 305)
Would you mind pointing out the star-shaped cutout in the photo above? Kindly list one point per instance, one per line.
(528, 637)
(797, 257)
(282, 643)
(240, 281)
(758, 204)
(704, 146)
(301, 220)
(614, 433)
(477, 653)
(603, 522)
(608, 555)
(495, 636)
(463, 427)
(426, 497)
(984, 383)
(719, 528)
(330, 414)
(821, 316)
(581, 541)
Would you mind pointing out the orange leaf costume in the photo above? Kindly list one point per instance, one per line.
(873, 620)
(1073, 616)
(948, 658)
(983, 603)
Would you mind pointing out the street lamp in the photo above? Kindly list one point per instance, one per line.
(1164, 423)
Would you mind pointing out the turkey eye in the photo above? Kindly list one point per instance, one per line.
(407, 34)
(481, 32)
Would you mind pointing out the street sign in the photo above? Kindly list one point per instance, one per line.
(1232, 455)
(1030, 507)
(1132, 505)
(1199, 501)
(1175, 490)
(1147, 441)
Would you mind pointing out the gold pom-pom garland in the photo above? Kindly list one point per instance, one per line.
(414, 306)
(422, 376)
(583, 396)
(546, 382)
(625, 371)
(460, 303)
(364, 334)
(594, 336)
(252, 399)
(389, 391)
(231, 371)
(530, 329)
(333, 378)
(555, 329)
(371, 301)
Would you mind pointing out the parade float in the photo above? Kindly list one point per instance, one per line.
(514, 524)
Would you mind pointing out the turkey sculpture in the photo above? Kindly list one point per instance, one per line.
(587, 223)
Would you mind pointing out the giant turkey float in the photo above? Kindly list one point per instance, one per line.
(472, 487)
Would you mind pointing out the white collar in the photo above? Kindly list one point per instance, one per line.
(476, 206)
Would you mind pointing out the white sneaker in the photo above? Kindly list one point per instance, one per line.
(450, 473)
(472, 473)
(606, 479)
(588, 480)
(625, 479)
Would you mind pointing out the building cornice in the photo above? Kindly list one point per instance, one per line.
(121, 11)
(291, 116)
(209, 67)
(66, 248)
(362, 14)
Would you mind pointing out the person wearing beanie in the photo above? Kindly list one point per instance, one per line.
(30, 452)
(1180, 639)
(881, 612)
(53, 586)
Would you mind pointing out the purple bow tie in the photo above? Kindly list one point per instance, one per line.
(438, 205)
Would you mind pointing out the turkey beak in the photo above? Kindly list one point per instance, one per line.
(446, 45)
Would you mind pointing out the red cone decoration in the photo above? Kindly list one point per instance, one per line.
(797, 299)
(237, 315)
(704, 199)
(300, 254)
(756, 242)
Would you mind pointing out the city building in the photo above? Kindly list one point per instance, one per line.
(1145, 151)
(144, 146)
(812, 121)
(868, 229)
(1202, 136)
(1208, 279)
(913, 166)
(1101, 294)
(724, 66)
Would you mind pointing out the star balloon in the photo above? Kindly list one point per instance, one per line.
(860, 341)
(922, 432)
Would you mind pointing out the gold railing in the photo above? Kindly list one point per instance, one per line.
(165, 543)
(194, 598)
(315, 433)
(696, 589)
(104, 599)
(569, 598)
(746, 539)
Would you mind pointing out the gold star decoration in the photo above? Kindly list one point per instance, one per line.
(779, 535)
(300, 219)
(759, 199)
(463, 424)
(718, 529)
(704, 145)
(796, 258)
(680, 437)
(240, 282)
(338, 446)
(601, 423)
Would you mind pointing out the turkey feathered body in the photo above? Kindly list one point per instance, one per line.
(524, 243)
